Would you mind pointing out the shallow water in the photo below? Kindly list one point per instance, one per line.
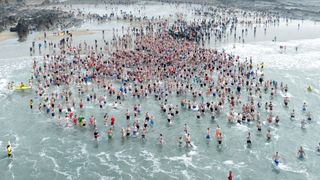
(43, 150)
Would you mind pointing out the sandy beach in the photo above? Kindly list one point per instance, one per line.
(7, 35)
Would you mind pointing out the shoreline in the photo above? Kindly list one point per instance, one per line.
(54, 35)
(51, 35)
(65, 21)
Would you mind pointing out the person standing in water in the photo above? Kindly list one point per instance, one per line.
(110, 133)
(304, 107)
(230, 176)
(180, 141)
(269, 135)
(219, 139)
(112, 121)
(249, 143)
(277, 120)
(31, 103)
(188, 141)
(303, 123)
(292, 115)
(161, 139)
(276, 159)
(301, 153)
(81, 104)
(218, 132)
(96, 134)
(318, 148)
(9, 150)
(259, 126)
(286, 101)
(208, 134)
(309, 116)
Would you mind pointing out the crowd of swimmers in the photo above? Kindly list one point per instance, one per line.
(157, 60)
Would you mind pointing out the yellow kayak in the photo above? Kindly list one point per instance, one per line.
(22, 87)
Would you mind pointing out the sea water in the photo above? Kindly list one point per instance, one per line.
(44, 150)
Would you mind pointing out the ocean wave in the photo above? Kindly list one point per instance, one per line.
(127, 159)
(53, 160)
(308, 56)
(233, 164)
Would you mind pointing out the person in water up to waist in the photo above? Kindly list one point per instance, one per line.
(31, 103)
(9, 149)
(301, 153)
(276, 159)
(230, 176)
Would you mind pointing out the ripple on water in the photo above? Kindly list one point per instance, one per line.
(53, 160)
(103, 157)
(186, 174)
(64, 173)
(45, 139)
(155, 168)
(126, 158)
(105, 160)
(233, 164)
(184, 159)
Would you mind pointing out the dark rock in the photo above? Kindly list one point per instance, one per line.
(22, 29)
(13, 29)
(17, 18)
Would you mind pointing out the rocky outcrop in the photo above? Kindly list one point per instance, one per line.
(22, 29)
(22, 20)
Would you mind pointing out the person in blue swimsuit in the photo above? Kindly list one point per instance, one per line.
(276, 159)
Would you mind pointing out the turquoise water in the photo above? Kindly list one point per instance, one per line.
(44, 150)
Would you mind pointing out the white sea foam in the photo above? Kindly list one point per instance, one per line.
(242, 127)
(127, 159)
(10, 165)
(233, 164)
(186, 174)
(3, 85)
(148, 156)
(68, 176)
(286, 167)
(103, 157)
(228, 162)
(192, 153)
(186, 160)
(44, 139)
(44, 155)
(307, 57)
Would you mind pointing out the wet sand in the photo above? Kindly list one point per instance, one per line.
(50, 36)
(58, 34)
(7, 35)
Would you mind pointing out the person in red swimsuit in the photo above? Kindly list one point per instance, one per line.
(230, 175)
(112, 121)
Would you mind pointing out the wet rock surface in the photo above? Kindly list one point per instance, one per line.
(22, 18)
